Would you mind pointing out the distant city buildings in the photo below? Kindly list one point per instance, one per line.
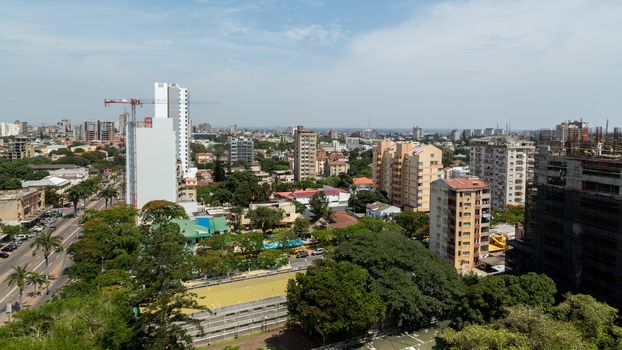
(417, 133)
(333, 134)
(505, 163)
(404, 170)
(460, 220)
(97, 130)
(305, 149)
(123, 119)
(240, 149)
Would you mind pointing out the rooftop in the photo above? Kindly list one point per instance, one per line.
(46, 181)
(16, 194)
(466, 183)
(362, 181)
(342, 219)
(52, 166)
(378, 206)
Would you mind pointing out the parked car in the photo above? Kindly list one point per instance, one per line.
(37, 228)
(21, 237)
(9, 247)
(31, 235)
(317, 251)
(4, 255)
(302, 254)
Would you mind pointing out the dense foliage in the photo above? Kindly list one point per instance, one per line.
(511, 215)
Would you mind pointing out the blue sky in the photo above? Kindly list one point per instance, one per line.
(437, 64)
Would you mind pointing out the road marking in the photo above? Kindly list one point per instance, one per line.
(41, 263)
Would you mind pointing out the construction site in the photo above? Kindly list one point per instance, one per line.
(573, 216)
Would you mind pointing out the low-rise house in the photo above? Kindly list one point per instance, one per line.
(378, 210)
(21, 206)
(337, 198)
(57, 183)
(288, 208)
(362, 184)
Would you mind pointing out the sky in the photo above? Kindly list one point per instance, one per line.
(342, 63)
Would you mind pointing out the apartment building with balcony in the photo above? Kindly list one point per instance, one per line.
(506, 164)
(404, 170)
(460, 220)
(305, 150)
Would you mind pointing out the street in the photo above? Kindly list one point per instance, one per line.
(69, 230)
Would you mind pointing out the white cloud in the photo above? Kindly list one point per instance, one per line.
(316, 33)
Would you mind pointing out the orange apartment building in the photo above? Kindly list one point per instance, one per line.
(460, 220)
(405, 170)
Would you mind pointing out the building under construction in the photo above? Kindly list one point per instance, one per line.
(573, 221)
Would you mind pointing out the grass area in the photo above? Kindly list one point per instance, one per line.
(243, 291)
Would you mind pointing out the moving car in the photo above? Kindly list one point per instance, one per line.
(302, 254)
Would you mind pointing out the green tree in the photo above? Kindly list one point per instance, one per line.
(511, 215)
(52, 197)
(271, 258)
(219, 172)
(415, 224)
(476, 337)
(250, 244)
(47, 243)
(161, 211)
(265, 218)
(18, 278)
(89, 321)
(74, 195)
(158, 290)
(108, 193)
(358, 202)
(283, 238)
(334, 298)
(323, 237)
(595, 321)
(35, 279)
(319, 205)
(301, 226)
(415, 284)
(490, 298)
(13, 230)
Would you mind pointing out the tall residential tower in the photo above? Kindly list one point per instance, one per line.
(305, 147)
(171, 101)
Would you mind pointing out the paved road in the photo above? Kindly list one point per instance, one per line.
(68, 229)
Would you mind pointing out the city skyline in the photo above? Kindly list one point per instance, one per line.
(468, 64)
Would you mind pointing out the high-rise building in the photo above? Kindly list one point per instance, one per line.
(460, 220)
(573, 224)
(123, 118)
(105, 131)
(333, 134)
(87, 131)
(505, 163)
(64, 126)
(233, 129)
(305, 150)
(8, 129)
(417, 133)
(455, 135)
(20, 147)
(240, 149)
(172, 102)
(22, 127)
(404, 170)
(154, 169)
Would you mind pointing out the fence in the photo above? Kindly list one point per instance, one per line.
(238, 320)
(214, 282)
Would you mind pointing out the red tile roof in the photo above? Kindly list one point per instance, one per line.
(362, 181)
(466, 183)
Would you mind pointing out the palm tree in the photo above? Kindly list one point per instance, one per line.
(18, 278)
(74, 195)
(108, 193)
(47, 244)
(35, 279)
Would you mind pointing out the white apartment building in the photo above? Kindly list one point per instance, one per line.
(171, 101)
(156, 173)
(506, 164)
(9, 129)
